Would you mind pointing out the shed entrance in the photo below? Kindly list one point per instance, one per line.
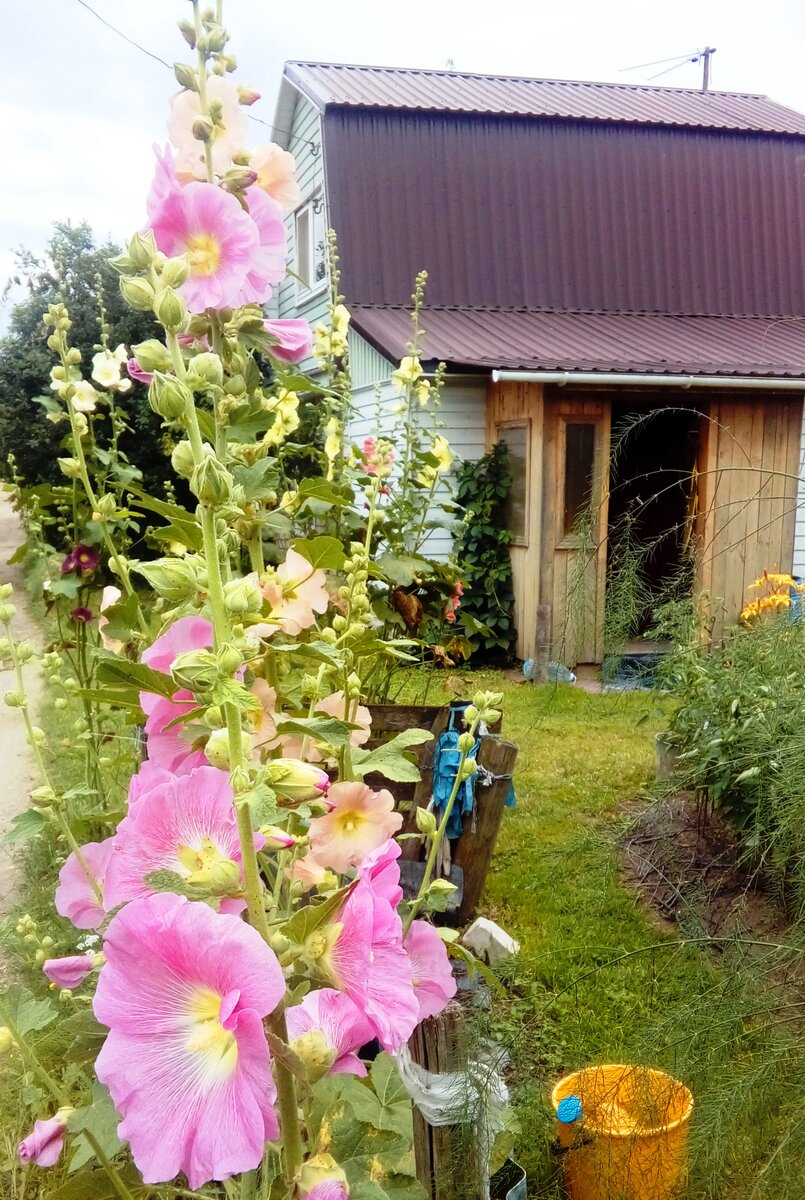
(653, 490)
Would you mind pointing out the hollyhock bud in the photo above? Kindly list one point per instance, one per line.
(202, 129)
(168, 397)
(211, 482)
(237, 179)
(137, 293)
(316, 1055)
(247, 95)
(152, 355)
(107, 507)
(466, 742)
(229, 659)
(182, 459)
(205, 370)
(217, 748)
(176, 272)
(321, 1178)
(46, 1142)
(296, 780)
(185, 75)
(6, 1040)
(223, 878)
(276, 838)
(70, 467)
(170, 310)
(195, 669)
(241, 596)
(141, 249)
(425, 821)
(173, 578)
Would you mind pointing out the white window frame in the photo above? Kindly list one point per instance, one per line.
(306, 291)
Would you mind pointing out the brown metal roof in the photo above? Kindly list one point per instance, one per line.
(568, 216)
(642, 343)
(454, 91)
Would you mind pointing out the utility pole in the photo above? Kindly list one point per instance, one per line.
(706, 55)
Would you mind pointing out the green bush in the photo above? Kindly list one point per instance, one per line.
(739, 729)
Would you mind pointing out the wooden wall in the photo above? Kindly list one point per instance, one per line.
(748, 463)
(516, 403)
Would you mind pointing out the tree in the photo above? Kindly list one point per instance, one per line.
(75, 270)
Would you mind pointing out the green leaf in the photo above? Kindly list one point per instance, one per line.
(24, 826)
(306, 920)
(317, 651)
(389, 760)
(258, 481)
(96, 1185)
(185, 533)
(122, 618)
(24, 1011)
(88, 1036)
(263, 805)
(120, 672)
(173, 512)
(230, 691)
(400, 569)
(67, 585)
(18, 556)
(386, 1105)
(101, 1119)
(330, 730)
(325, 553)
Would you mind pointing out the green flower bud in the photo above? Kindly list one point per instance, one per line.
(137, 293)
(466, 742)
(214, 717)
(217, 748)
(196, 669)
(60, 703)
(74, 356)
(6, 590)
(205, 371)
(211, 482)
(70, 467)
(468, 768)
(7, 612)
(185, 75)
(182, 459)
(315, 1053)
(25, 651)
(240, 596)
(203, 129)
(174, 578)
(14, 699)
(6, 1040)
(188, 32)
(296, 780)
(168, 397)
(425, 821)
(229, 659)
(223, 878)
(43, 797)
(171, 310)
(107, 507)
(176, 272)
(142, 248)
(152, 355)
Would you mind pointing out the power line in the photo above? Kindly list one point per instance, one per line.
(660, 62)
(162, 61)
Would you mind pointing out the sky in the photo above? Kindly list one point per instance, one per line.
(80, 108)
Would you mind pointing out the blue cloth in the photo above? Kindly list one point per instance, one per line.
(445, 767)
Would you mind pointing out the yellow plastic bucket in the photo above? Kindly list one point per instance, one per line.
(632, 1141)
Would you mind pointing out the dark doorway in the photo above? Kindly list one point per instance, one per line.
(651, 513)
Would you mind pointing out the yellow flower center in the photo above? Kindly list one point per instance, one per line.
(207, 1035)
(349, 821)
(204, 253)
(198, 861)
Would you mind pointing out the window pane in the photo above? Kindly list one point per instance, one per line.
(303, 257)
(579, 460)
(516, 439)
(319, 247)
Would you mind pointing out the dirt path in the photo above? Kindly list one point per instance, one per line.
(17, 771)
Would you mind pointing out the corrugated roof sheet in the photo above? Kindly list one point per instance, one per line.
(641, 343)
(454, 91)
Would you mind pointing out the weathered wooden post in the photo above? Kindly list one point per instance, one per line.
(474, 849)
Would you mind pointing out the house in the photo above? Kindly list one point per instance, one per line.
(602, 258)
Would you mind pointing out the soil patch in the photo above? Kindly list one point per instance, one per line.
(687, 869)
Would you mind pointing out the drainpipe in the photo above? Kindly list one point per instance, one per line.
(727, 382)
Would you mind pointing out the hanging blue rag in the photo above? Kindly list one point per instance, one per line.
(446, 759)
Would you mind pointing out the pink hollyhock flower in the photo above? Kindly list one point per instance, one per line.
(184, 992)
(276, 174)
(327, 1189)
(383, 872)
(378, 457)
(44, 1145)
(69, 972)
(341, 1028)
(136, 372)
(267, 266)
(296, 593)
(307, 871)
(149, 776)
(360, 821)
(75, 897)
(332, 706)
(227, 137)
(185, 824)
(188, 633)
(165, 181)
(434, 985)
(263, 725)
(166, 745)
(109, 596)
(294, 338)
(219, 238)
(368, 962)
(454, 602)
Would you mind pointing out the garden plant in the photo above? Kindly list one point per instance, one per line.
(234, 931)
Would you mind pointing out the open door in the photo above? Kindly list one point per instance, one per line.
(574, 524)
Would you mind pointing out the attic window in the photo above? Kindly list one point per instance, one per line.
(311, 246)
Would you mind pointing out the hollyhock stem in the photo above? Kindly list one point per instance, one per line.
(287, 1105)
(202, 86)
(63, 1101)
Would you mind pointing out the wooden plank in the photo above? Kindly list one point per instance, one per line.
(793, 424)
(755, 548)
(548, 518)
(477, 843)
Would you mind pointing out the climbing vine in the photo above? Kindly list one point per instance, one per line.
(483, 551)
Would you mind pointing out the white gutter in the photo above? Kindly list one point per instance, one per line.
(562, 378)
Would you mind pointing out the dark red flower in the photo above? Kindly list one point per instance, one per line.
(81, 615)
(85, 559)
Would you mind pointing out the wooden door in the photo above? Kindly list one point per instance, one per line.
(574, 525)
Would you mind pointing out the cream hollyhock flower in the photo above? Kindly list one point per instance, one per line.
(84, 397)
(409, 371)
(296, 592)
(229, 133)
(441, 450)
(276, 174)
(285, 407)
(360, 821)
(107, 366)
(422, 392)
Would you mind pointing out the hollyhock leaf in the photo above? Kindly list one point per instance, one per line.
(24, 826)
(401, 569)
(282, 1053)
(262, 801)
(100, 1119)
(28, 1014)
(323, 552)
(116, 671)
(324, 729)
(259, 480)
(389, 760)
(184, 533)
(306, 920)
(88, 1036)
(386, 1105)
(317, 651)
(230, 691)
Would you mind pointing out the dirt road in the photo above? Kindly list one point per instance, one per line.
(17, 771)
